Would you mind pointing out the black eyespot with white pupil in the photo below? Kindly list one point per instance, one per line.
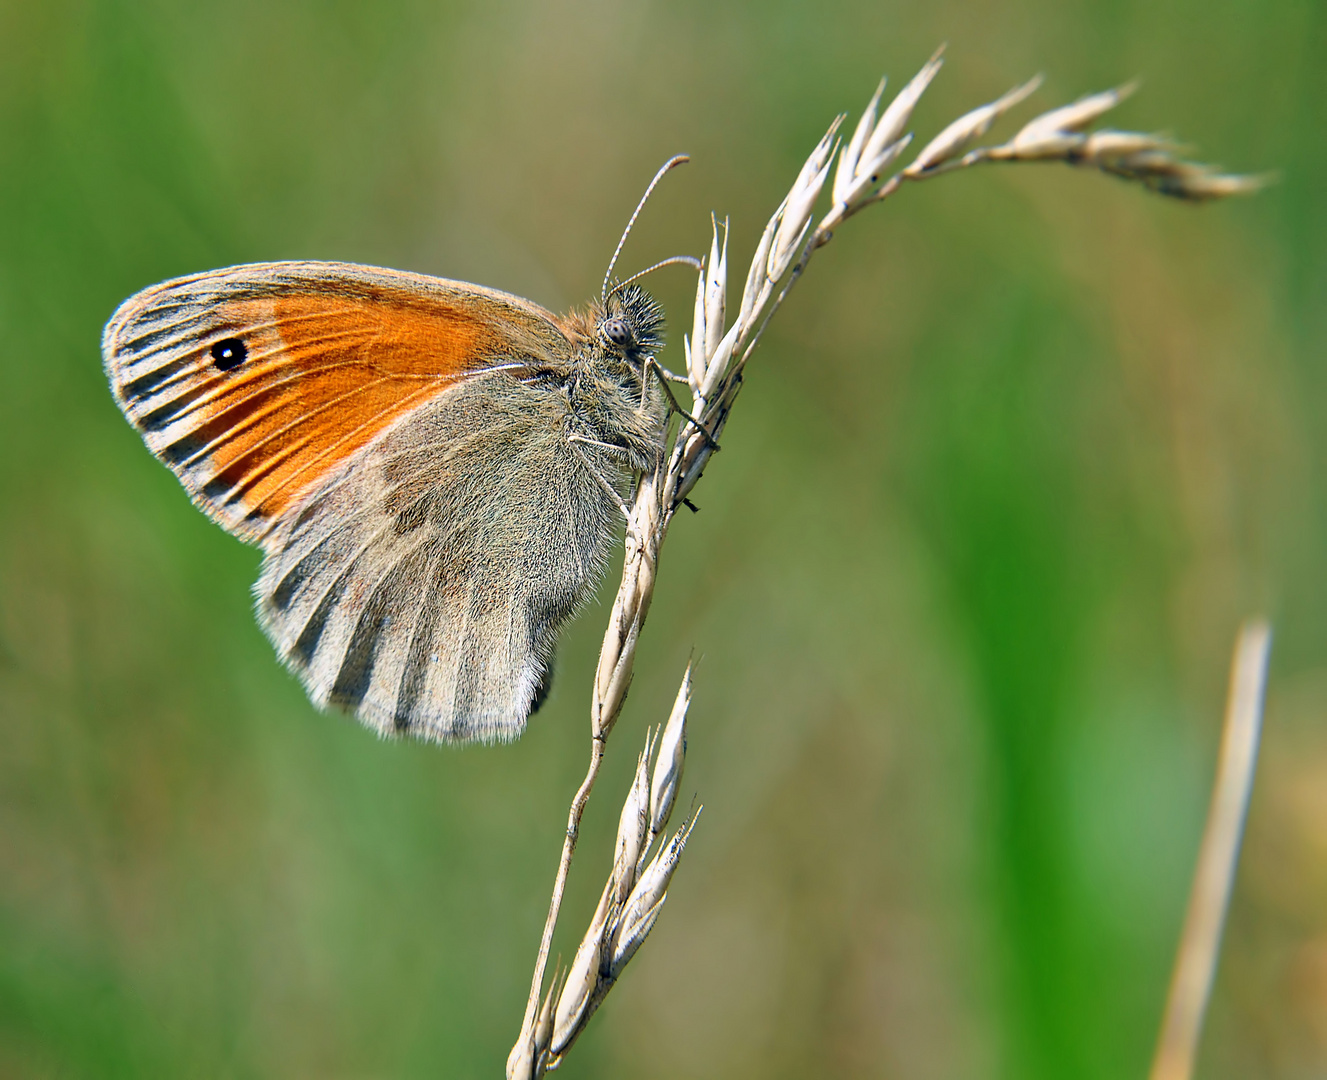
(229, 353)
(618, 332)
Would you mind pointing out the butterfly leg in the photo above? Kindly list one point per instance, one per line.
(663, 375)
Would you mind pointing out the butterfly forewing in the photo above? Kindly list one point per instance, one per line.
(256, 382)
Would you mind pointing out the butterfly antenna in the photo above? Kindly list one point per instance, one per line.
(672, 260)
(671, 163)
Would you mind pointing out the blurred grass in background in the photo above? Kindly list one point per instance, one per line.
(1017, 457)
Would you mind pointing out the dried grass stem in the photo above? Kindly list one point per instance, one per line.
(716, 358)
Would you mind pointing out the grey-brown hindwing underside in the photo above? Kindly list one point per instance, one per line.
(423, 586)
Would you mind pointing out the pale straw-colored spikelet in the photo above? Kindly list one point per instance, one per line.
(875, 144)
(968, 128)
(896, 116)
(667, 775)
(801, 201)
(757, 281)
(716, 284)
(647, 896)
(633, 827)
(1054, 134)
(571, 1012)
(696, 357)
(716, 355)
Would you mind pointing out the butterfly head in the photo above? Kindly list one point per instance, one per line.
(630, 324)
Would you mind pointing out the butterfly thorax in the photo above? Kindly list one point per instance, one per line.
(614, 398)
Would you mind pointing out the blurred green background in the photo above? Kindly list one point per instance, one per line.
(1017, 457)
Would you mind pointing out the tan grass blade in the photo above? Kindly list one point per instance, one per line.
(1200, 941)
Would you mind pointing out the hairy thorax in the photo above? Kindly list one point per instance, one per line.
(613, 396)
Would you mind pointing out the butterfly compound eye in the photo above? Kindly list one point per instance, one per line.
(618, 332)
(229, 353)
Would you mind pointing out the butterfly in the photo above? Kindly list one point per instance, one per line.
(433, 470)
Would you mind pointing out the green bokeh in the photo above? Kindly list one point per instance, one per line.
(1012, 464)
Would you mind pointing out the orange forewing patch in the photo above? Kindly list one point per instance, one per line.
(322, 377)
(253, 383)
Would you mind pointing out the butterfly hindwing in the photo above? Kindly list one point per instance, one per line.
(423, 585)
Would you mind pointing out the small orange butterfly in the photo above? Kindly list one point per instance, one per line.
(432, 469)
